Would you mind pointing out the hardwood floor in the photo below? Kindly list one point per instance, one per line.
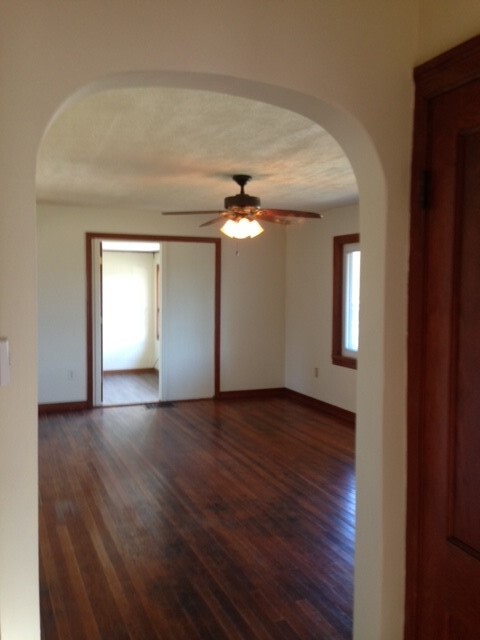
(209, 520)
(130, 388)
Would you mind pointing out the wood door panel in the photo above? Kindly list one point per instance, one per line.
(461, 572)
(444, 385)
(465, 423)
(439, 253)
(460, 630)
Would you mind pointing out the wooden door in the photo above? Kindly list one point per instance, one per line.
(443, 600)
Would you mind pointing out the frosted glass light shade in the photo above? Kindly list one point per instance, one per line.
(255, 228)
(240, 229)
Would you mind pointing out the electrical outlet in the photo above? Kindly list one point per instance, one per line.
(70, 374)
(315, 372)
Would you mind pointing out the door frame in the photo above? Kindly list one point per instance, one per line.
(90, 237)
(442, 74)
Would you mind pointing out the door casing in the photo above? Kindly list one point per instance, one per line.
(91, 239)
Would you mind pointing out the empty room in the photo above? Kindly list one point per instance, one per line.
(220, 501)
(177, 454)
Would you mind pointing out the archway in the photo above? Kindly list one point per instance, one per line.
(362, 155)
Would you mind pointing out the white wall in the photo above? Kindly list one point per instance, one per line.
(128, 310)
(443, 25)
(309, 290)
(252, 352)
(348, 66)
(188, 296)
(62, 357)
(254, 307)
(252, 298)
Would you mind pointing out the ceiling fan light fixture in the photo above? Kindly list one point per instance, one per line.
(242, 228)
(243, 212)
(255, 228)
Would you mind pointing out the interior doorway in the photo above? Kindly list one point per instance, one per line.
(130, 291)
(153, 319)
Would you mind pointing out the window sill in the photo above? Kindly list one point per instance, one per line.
(344, 361)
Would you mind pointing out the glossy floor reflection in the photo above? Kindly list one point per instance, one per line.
(199, 520)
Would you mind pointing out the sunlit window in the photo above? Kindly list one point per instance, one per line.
(351, 299)
(346, 299)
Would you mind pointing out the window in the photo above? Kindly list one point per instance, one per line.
(346, 299)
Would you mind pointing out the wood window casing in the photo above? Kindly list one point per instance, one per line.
(338, 356)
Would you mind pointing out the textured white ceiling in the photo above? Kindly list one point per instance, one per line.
(176, 149)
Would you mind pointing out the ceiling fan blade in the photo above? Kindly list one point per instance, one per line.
(187, 213)
(245, 206)
(217, 219)
(288, 213)
(267, 216)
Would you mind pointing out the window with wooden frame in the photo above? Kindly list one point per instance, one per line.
(346, 299)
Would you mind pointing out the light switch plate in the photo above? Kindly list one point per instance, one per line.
(4, 362)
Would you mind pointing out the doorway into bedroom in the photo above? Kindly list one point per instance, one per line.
(130, 317)
(154, 309)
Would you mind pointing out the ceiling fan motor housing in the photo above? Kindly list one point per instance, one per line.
(242, 201)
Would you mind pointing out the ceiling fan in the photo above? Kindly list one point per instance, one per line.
(242, 213)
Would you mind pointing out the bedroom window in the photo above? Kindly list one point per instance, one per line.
(346, 299)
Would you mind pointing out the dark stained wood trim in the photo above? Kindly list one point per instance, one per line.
(217, 242)
(325, 407)
(216, 337)
(89, 310)
(444, 73)
(127, 372)
(244, 394)
(154, 238)
(60, 407)
(449, 70)
(344, 361)
(415, 349)
(249, 394)
(337, 303)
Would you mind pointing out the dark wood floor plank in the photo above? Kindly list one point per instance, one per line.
(202, 520)
(55, 623)
(83, 620)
